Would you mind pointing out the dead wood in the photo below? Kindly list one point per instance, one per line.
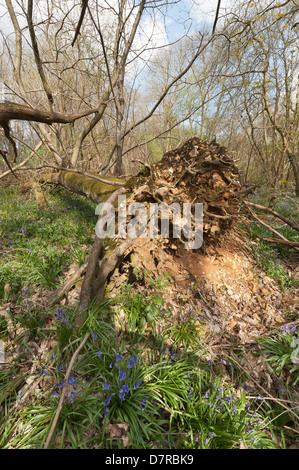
(11, 111)
(280, 241)
(196, 172)
(276, 214)
(92, 264)
(69, 284)
(281, 237)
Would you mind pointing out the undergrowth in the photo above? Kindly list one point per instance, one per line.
(140, 381)
(273, 258)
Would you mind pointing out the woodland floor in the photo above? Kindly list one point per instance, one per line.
(227, 297)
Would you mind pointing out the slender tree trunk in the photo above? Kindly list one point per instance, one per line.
(295, 167)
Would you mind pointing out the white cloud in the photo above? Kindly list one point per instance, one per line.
(204, 11)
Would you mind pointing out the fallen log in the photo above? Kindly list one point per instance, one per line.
(289, 222)
(280, 237)
(279, 241)
(95, 188)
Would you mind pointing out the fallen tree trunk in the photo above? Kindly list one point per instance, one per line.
(95, 189)
(197, 172)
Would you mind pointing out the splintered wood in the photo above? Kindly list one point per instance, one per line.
(197, 172)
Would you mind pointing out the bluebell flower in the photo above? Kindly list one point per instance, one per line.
(137, 384)
(106, 386)
(172, 357)
(61, 384)
(228, 399)
(211, 435)
(118, 358)
(122, 375)
(72, 381)
(99, 353)
(289, 328)
(95, 336)
(24, 290)
(43, 371)
(108, 399)
(132, 362)
(59, 368)
(72, 396)
(143, 403)
(247, 387)
(60, 315)
(123, 390)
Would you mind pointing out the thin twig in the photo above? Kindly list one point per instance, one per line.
(262, 388)
(64, 389)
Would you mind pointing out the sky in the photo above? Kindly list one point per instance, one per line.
(181, 17)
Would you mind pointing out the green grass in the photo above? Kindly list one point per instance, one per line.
(37, 245)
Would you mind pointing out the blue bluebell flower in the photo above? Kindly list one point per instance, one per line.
(43, 371)
(72, 396)
(118, 358)
(122, 375)
(123, 390)
(142, 404)
(72, 381)
(132, 362)
(60, 315)
(137, 384)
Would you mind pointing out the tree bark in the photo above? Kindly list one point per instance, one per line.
(295, 167)
(96, 190)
